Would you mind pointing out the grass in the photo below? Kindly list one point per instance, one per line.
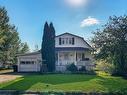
(66, 82)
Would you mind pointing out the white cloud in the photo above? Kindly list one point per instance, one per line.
(76, 3)
(89, 22)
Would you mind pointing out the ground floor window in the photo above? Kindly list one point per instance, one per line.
(27, 62)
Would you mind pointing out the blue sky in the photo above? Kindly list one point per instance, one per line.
(80, 17)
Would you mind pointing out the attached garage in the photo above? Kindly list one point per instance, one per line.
(30, 62)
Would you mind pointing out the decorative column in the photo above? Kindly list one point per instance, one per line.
(58, 58)
(75, 58)
(18, 60)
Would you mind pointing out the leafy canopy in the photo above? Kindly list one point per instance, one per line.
(10, 42)
(110, 43)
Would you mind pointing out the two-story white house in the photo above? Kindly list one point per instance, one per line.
(69, 49)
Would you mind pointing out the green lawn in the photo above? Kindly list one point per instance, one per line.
(66, 82)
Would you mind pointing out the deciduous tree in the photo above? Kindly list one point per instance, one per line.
(110, 43)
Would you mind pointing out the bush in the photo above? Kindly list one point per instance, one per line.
(83, 69)
(72, 67)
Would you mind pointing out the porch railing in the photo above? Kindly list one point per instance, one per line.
(83, 63)
(78, 63)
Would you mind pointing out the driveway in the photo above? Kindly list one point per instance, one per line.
(5, 78)
(7, 75)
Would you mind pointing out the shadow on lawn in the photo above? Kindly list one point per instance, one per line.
(27, 81)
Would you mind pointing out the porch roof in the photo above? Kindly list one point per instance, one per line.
(71, 49)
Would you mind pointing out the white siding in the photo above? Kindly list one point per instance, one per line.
(79, 42)
(29, 67)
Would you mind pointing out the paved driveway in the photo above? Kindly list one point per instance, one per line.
(5, 78)
(7, 75)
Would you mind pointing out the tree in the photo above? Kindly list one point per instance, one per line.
(52, 50)
(111, 43)
(24, 48)
(44, 47)
(9, 39)
(48, 47)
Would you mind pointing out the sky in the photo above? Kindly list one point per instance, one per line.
(80, 17)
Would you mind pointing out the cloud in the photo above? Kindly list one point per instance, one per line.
(76, 3)
(89, 22)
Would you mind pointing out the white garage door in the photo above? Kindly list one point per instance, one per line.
(28, 68)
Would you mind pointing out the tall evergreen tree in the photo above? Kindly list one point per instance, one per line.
(48, 47)
(44, 47)
(52, 33)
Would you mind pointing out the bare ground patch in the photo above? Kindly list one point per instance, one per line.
(6, 78)
(7, 75)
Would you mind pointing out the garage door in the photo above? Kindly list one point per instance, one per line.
(28, 68)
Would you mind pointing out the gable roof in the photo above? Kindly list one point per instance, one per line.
(74, 36)
(69, 34)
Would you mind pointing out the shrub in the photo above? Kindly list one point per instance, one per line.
(72, 67)
(83, 69)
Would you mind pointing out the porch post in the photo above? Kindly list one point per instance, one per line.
(75, 58)
(58, 59)
(18, 63)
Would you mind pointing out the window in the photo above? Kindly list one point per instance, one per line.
(59, 41)
(66, 41)
(62, 40)
(27, 62)
(73, 41)
(83, 56)
(22, 62)
(32, 62)
(70, 41)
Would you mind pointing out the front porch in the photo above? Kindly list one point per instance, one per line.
(79, 58)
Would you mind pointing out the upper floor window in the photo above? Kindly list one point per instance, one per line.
(66, 41)
(73, 41)
(62, 40)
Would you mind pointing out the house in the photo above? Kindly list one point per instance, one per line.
(69, 49)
